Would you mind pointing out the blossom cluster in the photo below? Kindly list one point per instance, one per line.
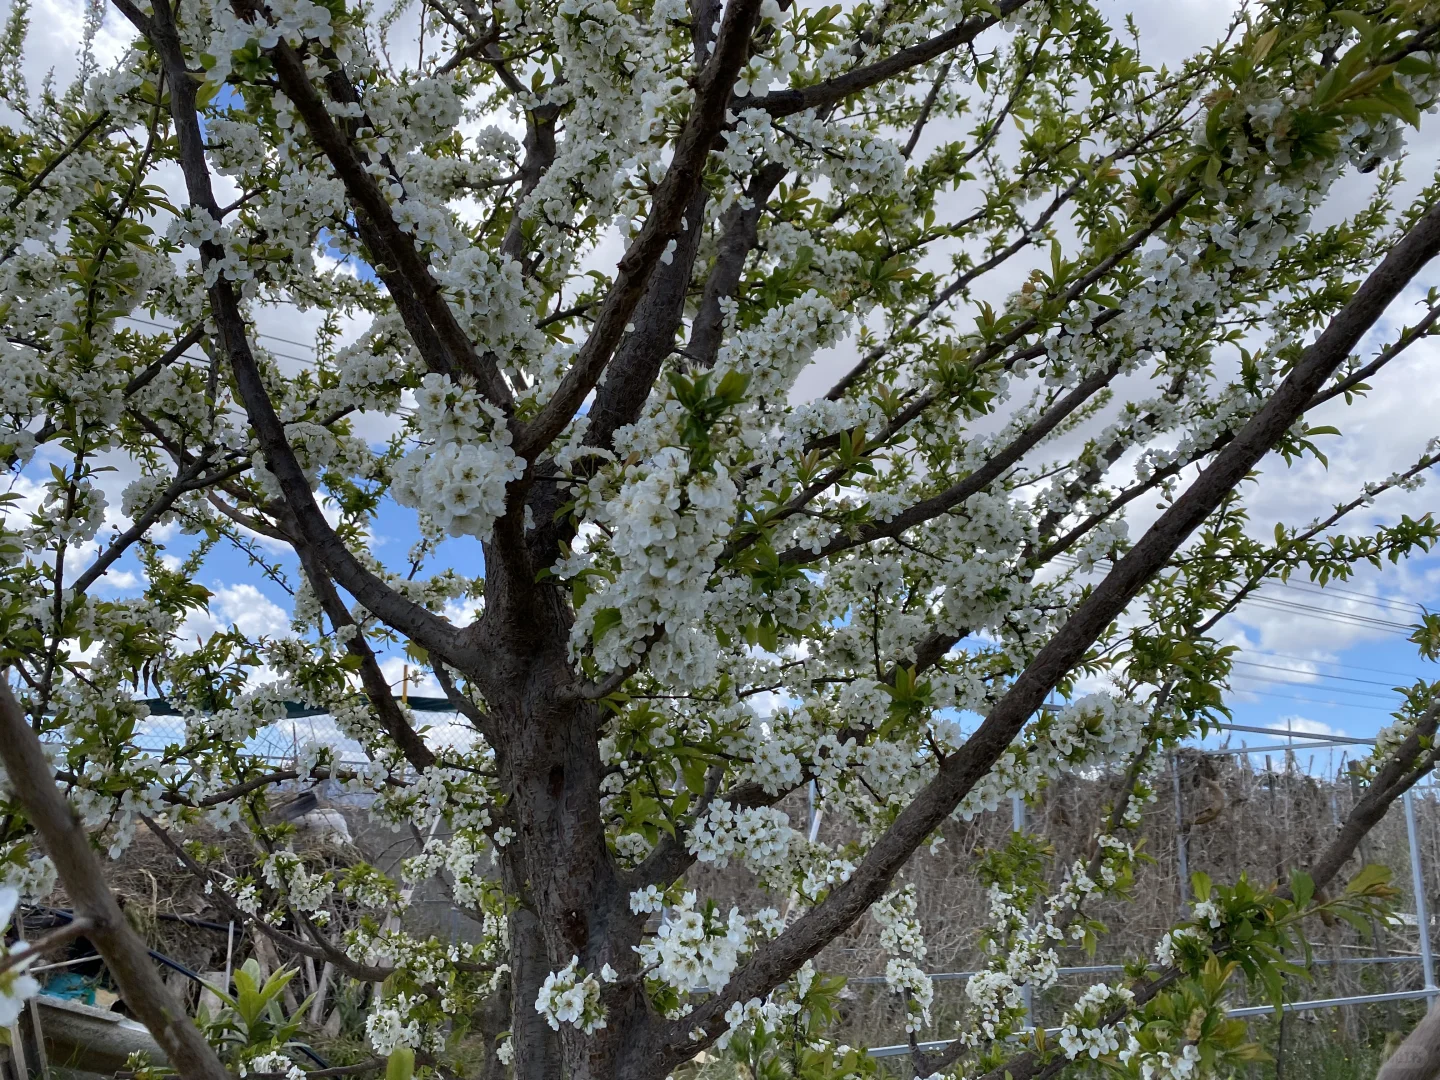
(571, 996)
(695, 948)
(458, 476)
(902, 941)
(795, 537)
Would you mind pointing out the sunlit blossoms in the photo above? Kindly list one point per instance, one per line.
(457, 478)
(676, 465)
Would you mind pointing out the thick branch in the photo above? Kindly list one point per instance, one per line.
(29, 775)
(739, 230)
(186, 481)
(637, 361)
(377, 687)
(177, 349)
(621, 396)
(954, 779)
(787, 102)
(410, 268)
(1399, 774)
(427, 628)
(702, 127)
(539, 156)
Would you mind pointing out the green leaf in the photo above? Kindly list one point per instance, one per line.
(1302, 888)
(1354, 20)
(1200, 883)
(276, 983)
(606, 619)
(767, 635)
(1215, 126)
(732, 386)
(1368, 878)
(401, 1064)
(693, 771)
(1266, 42)
(205, 93)
(1399, 101)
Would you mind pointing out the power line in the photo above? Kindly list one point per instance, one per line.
(1314, 611)
(1337, 663)
(1361, 694)
(1316, 674)
(257, 333)
(1349, 594)
(1352, 706)
(1331, 615)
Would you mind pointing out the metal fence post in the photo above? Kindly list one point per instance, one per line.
(1422, 915)
(812, 804)
(1181, 854)
(1017, 820)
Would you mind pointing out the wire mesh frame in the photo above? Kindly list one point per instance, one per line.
(1430, 991)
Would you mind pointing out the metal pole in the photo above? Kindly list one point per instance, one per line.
(1422, 916)
(1289, 733)
(1180, 851)
(229, 954)
(1017, 821)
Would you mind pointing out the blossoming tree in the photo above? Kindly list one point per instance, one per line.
(810, 356)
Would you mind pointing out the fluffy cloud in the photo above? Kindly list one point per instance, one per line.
(242, 606)
(1304, 725)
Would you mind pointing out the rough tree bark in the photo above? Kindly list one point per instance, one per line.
(1418, 1057)
(30, 776)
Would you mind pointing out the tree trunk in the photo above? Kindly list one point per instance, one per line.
(536, 1047)
(1418, 1057)
(572, 900)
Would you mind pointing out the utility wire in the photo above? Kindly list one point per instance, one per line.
(1349, 706)
(1314, 674)
(257, 333)
(1331, 615)
(1333, 690)
(1337, 663)
(1350, 594)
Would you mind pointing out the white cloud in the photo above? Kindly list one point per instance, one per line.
(406, 677)
(1304, 724)
(1312, 624)
(461, 612)
(243, 606)
(120, 579)
(56, 29)
(250, 610)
